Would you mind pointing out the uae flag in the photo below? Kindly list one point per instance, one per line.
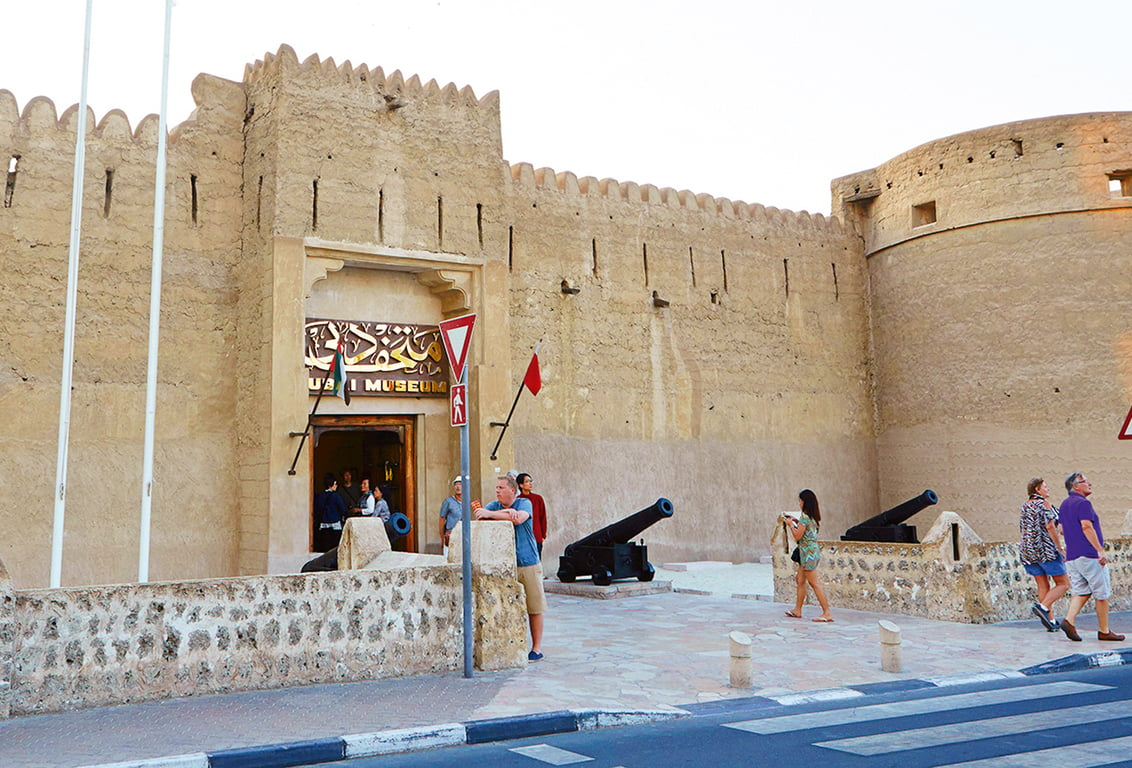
(338, 375)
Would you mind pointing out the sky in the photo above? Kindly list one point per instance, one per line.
(764, 102)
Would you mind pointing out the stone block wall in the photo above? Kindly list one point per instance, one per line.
(983, 585)
(78, 647)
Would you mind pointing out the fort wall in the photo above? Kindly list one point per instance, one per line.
(1000, 342)
(747, 386)
(720, 353)
(195, 450)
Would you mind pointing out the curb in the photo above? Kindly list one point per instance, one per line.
(1080, 661)
(298, 753)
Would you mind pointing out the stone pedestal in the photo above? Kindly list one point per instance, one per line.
(499, 610)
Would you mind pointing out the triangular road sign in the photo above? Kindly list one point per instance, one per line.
(1126, 430)
(456, 335)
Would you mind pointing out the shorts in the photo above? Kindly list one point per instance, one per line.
(1088, 577)
(1048, 568)
(530, 576)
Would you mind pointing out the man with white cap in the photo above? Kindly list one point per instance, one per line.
(451, 512)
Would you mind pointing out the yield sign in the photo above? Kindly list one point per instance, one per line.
(1126, 430)
(456, 333)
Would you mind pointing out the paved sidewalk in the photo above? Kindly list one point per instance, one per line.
(640, 653)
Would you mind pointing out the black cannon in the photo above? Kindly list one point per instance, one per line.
(889, 525)
(609, 554)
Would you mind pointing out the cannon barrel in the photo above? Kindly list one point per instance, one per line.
(903, 510)
(626, 529)
(889, 525)
(397, 526)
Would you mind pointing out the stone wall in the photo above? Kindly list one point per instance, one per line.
(983, 585)
(77, 647)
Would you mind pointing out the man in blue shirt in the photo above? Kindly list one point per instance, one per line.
(1085, 559)
(451, 512)
(511, 507)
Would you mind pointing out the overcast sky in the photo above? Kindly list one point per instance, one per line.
(750, 100)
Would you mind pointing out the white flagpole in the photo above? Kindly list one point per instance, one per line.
(69, 323)
(154, 311)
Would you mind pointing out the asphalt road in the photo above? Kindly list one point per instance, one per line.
(1075, 719)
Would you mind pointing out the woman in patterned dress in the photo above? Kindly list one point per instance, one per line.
(1041, 552)
(804, 529)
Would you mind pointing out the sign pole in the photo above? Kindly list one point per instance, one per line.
(456, 335)
(466, 548)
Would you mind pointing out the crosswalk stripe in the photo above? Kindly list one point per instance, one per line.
(1091, 754)
(785, 723)
(552, 755)
(936, 735)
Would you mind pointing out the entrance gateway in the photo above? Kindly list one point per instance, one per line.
(380, 447)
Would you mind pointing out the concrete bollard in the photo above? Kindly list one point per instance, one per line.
(890, 660)
(740, 660)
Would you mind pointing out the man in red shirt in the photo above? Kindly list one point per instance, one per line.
(538, 518)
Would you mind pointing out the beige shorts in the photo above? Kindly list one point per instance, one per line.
(530, 576)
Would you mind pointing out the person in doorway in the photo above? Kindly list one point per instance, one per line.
(804, 529)
(1040, 551)
(509, 506)
(538, 507)
(1085, 559)
(451, 512)
(380, 507)
(329, 512)
(350, 493)
(366, 503)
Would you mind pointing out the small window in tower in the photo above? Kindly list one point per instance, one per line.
(1120, 183)
(923, 214)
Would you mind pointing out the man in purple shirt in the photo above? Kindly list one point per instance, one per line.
(1085, 559)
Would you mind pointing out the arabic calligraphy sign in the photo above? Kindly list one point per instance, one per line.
(392, 359)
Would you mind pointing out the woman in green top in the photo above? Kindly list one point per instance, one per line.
(805, 532)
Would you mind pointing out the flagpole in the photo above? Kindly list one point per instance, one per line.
(307, 428)
(510, 413)
(69, 323)
(154, 311)
(317, 400)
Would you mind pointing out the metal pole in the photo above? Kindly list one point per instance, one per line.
(69, 323)
(154, 310)
(466, 539)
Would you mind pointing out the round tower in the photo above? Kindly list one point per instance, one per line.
(1000, 281)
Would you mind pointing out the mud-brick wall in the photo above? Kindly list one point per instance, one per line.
(77, 647)
(983, 585)
(747, 383)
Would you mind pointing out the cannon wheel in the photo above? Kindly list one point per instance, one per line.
(602, 578)
(567, 574)
(648, 573)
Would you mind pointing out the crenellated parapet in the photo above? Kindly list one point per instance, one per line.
(1024, 169)
(394, 88)
(526, 176)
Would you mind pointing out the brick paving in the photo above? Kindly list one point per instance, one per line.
(647, 652)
